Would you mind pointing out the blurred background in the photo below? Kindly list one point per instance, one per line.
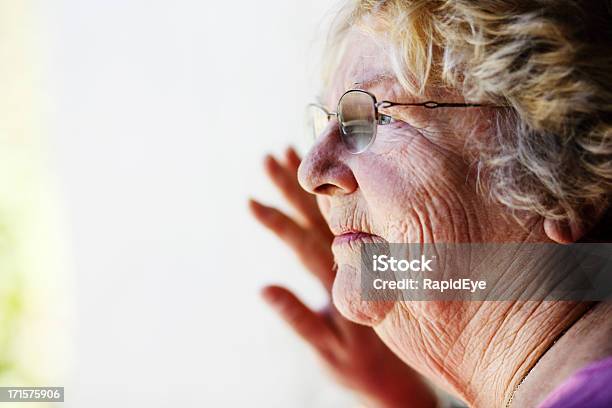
(132, 133)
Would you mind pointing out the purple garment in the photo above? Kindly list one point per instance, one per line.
(590, 387)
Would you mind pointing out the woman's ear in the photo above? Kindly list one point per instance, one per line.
(563, 231)
(593, 224)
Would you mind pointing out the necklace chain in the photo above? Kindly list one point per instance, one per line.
(509, 403)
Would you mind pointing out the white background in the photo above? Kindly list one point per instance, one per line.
(159, 113)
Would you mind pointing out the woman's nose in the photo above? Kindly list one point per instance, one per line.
(324, 170)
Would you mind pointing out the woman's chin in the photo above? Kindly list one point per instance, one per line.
(347, 297)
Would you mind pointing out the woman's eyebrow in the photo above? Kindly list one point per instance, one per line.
(394, 92)
(372, 81)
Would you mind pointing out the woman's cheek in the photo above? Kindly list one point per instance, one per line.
(414, 193)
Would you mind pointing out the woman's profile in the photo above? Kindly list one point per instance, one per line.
(455, 122)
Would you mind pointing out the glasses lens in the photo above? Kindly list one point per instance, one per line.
(357, 117)
(317, 120)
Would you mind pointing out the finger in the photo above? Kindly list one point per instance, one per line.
(285, 179)
(292, 159)
(309, 325)
(284, 227)
(312, 250)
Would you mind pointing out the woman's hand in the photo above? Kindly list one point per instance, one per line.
(354, 354)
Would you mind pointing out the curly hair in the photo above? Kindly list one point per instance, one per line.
(550, 61)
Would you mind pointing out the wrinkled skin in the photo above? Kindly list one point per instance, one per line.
(352, 353)
(413, 185)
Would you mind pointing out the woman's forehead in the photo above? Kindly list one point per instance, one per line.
(365, 64)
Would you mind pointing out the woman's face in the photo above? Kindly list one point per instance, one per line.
(413, 185)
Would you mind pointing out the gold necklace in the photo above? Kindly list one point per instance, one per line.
(518, 385)
(591, 307)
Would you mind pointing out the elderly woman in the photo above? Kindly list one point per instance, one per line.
(456, 122)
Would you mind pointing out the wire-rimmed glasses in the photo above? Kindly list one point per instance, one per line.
(359, 117)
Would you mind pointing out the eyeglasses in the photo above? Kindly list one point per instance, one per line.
(358, 117)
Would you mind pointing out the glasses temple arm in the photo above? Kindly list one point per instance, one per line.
(433, 104)
(323, 109)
